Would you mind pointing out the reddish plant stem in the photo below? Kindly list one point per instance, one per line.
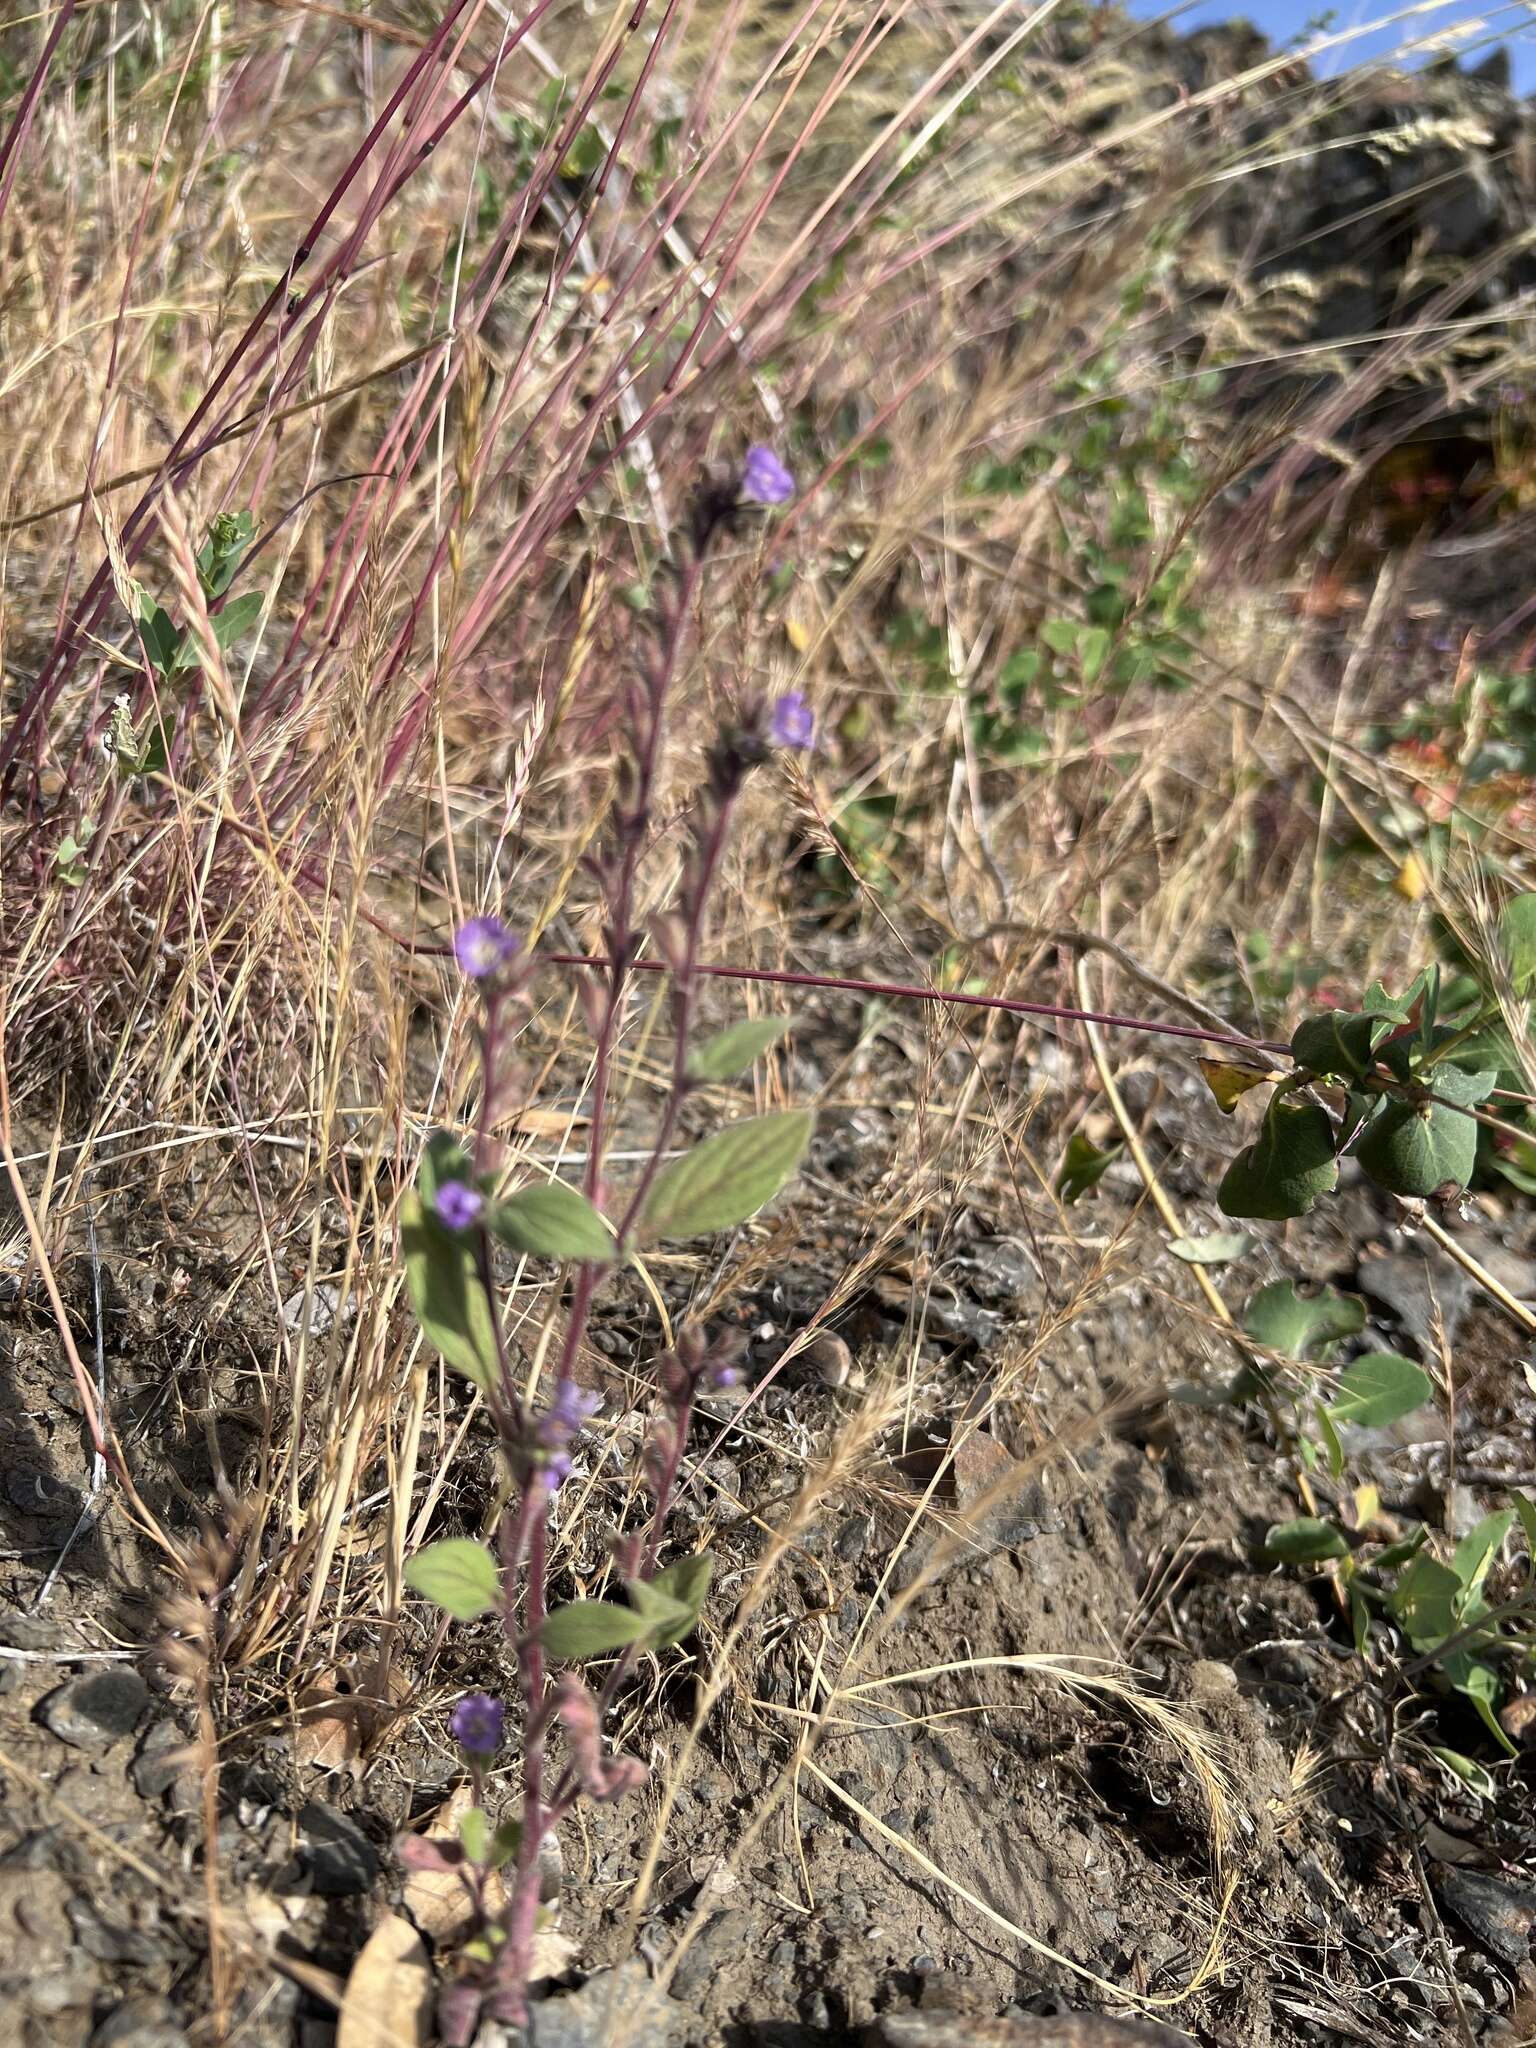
(522, 1919)
(914, 992)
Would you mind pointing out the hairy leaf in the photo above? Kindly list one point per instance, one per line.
(1305, 1541)
(589, 1628)
(447, 1294)
(1341, 1042)
(1287, 1167)
(553, 1221)
(731, 1051)
(728, 1177)
(458, 1575)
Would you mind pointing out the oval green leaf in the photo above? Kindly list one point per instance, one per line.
(447, 1294)
(589, 1628)
(1378, 1389)
(1287, 1167)
(552, 1221)
(1294, 1324)
(1305, 1541)
(457, 1575)
(1218, 1249)
(731, 1051)
(729, 1177)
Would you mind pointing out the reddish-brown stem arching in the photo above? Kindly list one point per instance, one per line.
(522, 1919)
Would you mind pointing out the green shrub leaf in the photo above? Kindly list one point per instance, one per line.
(1517, 938)
(1477, 1550)
(475, 1834)
(1378, 1389)
(1471, 1774)
(731, 1051)
(1083, 1167)
(1341, 1042)
(1288, 1166)
(1424, 1602)
(553, 1221)
(589, 1628)
(237, 617)
(685, 1584)
(1413, 1149)
(1305, 1541)
(1296, 1324)
(457, 1575)
(729, 1177)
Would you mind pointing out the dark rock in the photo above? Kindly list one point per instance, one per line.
(140, 2023)
(1410, 1284)
(722, 1939)
(70, 1988)
(96, 1709)
(334, 1854)
(853, 1538)
(1502, 1916)
(160, 1762)
(112, 1941)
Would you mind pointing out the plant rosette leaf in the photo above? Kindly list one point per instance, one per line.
(728, 1177)
(1378, 1389)
(1288, 1166)
(731, 1051)
(1424, 1602)
(1294, 1324)
(552, 1220)
(685, 1585)
(458, 1575)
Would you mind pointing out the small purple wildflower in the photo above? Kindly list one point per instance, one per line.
(794, 722)
(567, 1414)
(483, 947)
(457, 1204)
(764, 479)
(725, 1376)
(477, 1723)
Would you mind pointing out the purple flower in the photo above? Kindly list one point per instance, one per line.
(794, 722)
(477, 1723)
(483, 947)
(565, 1416)
(764, 479)
(457, 1204)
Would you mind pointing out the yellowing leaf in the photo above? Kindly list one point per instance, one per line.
(797, 635)
(1411, 881)
(1229, 1083)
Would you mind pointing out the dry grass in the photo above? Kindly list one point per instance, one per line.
(469, 426)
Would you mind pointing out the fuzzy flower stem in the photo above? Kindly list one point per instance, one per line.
(522, 1919)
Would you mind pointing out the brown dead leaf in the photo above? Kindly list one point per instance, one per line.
(339, 1715)
(388, 1999)
(438, 1900)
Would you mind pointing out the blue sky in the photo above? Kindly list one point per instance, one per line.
(1512, 22)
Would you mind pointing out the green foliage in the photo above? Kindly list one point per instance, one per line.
(442, 1274)
(552, 1220)
(1289, 1165)
(1300, 1325)
(171, 649)
(1379, 1389)
(731, 1051)
(1219, 1249)
(1305, 1541)
(728, 1177)
(1083, 1167)
(662, 1611)
(457, 1575)
(69, 864)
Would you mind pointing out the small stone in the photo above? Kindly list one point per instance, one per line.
(70, 1988)
(830, 1358)
(160, 1762)
(621, 2004)
(111, 1941)
(853, 1538)
(140, 2023)
(1517, 1718)
(1414, 1286)
(336, 1856)
(96, 1709)
(783, 1955)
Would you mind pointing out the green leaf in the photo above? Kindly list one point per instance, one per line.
(447, 1293)
(505, 1843)
(1477, 1550)
(729, 1177)
(1471, 1774)
(1305, 1541)
(1359, 1622)
(1526, 1510)
(1060, 635)
(1424, 1602)
(160, 637)
(553, 1221)
(219, 556)
(1400, 1552)
(1093, 650)
(1341, 1042)
(1331, 1444)
(237, 617)
(1287, 1167)
(1415, 1148)
(1216, 1250)
(1479, 1683)
(1083, 1167)
(475, 1834)
(1295, 1324)
(659, 1612)
(1517, 939)
(731, 1051)
(457, 1575)
(1378, 1389)
(685, 1585)
(589, 1628)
